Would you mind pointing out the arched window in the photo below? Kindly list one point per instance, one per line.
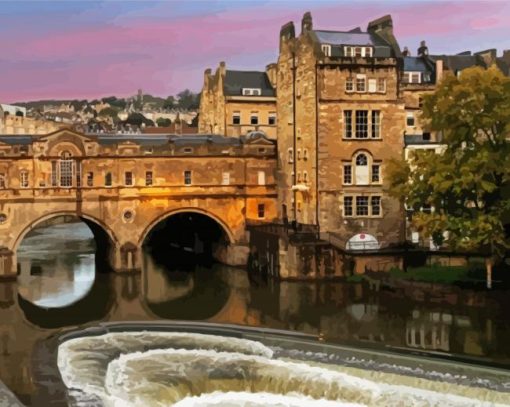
(361, 171)
(66, 167)
(362, 160)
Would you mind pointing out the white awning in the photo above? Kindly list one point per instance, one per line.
(362, 241)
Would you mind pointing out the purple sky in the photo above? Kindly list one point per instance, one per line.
(87, 49)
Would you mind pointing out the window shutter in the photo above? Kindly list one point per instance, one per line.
(372, 85)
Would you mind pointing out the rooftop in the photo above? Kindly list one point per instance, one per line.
(235, 81)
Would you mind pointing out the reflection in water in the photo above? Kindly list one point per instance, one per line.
(57, 265)
(462, 322)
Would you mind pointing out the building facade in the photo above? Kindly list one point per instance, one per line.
(341, 120)
(234, 103)
(124, 185)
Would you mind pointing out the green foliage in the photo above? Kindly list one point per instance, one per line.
(163, 122)
(188, 99)
(115, 102)
(441, 274)
(468, 182)
(109, 111)
(137, 119)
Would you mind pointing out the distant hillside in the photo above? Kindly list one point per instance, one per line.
(184, 100)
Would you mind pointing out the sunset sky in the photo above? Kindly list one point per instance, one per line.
(88, 49)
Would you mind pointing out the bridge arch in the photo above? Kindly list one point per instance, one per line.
(91, 221)
(224, 226)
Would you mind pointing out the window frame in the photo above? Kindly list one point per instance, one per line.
(347, 175)
(381, 89)
(349, 84)
(188, 177)
(128, 175)
(149, 178)
(347, 124)
(90, 179)
(271, 118)
(252, 116)
(326, 49)
(108, 179)
(24, 179)
(361, 131)
(363, 78)
(236, 115)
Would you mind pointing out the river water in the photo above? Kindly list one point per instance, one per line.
(58, 288)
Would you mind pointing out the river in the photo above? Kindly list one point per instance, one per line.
(59, 288)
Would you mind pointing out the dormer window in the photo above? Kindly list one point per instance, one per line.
(412, 77)
(364, 52)
(251, 92)
(326, 49)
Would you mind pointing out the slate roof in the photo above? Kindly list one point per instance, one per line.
(458, 62)
(337, 39)
(415, 64)
(235, 81)
(140, 139)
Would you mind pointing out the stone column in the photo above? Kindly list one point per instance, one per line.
(8, 264)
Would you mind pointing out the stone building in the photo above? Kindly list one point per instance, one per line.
(341, 119)
(13, 120)
(236, 102)
(125, 185)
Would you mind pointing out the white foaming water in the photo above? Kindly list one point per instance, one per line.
(244, 399)
(164, 368)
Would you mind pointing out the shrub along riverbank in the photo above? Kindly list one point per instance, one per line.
(471, 274)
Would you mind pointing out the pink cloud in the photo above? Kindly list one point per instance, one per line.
(163, 57)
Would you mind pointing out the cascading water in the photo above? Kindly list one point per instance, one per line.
(190, 369)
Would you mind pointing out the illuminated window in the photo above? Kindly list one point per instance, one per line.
(262, 178)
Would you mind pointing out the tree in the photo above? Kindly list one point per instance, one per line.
(188, 100)
(109, 111)
(163, 122)
(137, 119)
(169, 102)
(468, 184)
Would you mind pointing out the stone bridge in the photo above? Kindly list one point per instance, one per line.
(123, 186)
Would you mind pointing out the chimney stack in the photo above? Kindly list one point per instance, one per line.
(423, 50)
(383, 27)
(439, 70)
(271, 74)
(306, 22)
